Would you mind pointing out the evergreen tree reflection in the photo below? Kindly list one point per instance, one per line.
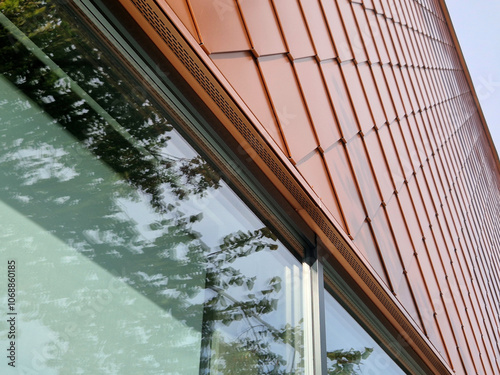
(172, 268)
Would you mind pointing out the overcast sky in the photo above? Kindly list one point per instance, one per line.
(477, 25)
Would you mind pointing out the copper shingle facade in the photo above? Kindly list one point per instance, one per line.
(368, 105)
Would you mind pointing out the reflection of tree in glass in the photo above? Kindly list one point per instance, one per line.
(64, 41)
(175, 267)
(346, 362)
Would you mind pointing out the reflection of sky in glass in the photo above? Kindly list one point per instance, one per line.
(111, 281)
(343, 332)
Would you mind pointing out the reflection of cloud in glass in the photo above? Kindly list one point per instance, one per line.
(134, 257)
(350, 349)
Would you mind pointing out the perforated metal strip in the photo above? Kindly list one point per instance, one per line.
(180, 47)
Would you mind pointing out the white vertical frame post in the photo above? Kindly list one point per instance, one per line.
(314, 319)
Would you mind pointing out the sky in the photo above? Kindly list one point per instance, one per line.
(477, 25)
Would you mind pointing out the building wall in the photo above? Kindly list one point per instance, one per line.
(370, 104)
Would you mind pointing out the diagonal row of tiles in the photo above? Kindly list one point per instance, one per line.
(369, 101)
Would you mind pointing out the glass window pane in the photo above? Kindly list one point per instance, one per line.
(132, 255)
(350, 349)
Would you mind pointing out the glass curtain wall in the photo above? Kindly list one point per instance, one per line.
(132, 255)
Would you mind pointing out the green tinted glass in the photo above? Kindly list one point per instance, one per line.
(131, 254)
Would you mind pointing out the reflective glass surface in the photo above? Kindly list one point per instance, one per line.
(132, 255)
(350, 349)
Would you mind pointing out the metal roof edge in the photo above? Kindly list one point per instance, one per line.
(461, 57)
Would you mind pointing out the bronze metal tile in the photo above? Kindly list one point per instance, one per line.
(420, 212)
(380, 165)
(393, 90)
(402, 151)
(423, 45)
(288, 105)
(394, 11)
(368, 4)
(405, 295)
(241, 71)
(448, 338)
(365, 242)
(398, 47)
(364, 175)
(423, 87)
(429, 174)
(294, 28)
(391, 156)
(405, 48)
(313, 169)
(383, 90)
(378, 7)
(410, 144)
(389, 44)
(336, 27)
(409, 88)
(318, 103)
(345, 186)
(368, 82)
(399, 228)
(427, 202)
(378, 39)
(221, 28)
(262, 25)
(339, 97)
(366, 33)
(181, 9)
(416, 87)
(388, 250)
(352, 30)
(357, 96)
(427, 139)
(431, 89)
(416, 135)
(404, 14)
(403, 90)
(318, 28)
(422, 299)
(413, 47)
